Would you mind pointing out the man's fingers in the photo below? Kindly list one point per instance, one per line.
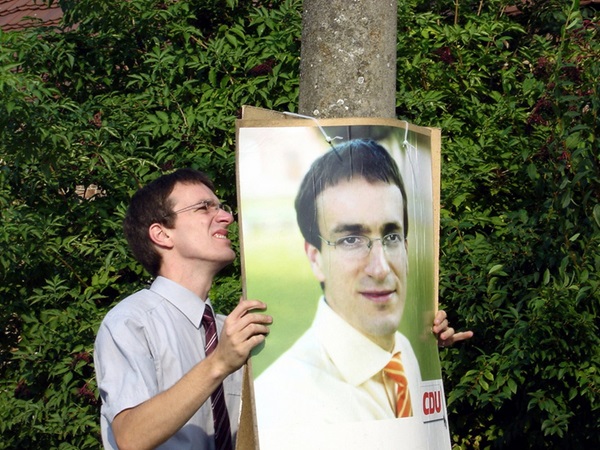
(463, 335)
(441, 327)
(244, 306)
(447, 339)
(253, 329)
(244, 323)
(446, 336)
(440, 316)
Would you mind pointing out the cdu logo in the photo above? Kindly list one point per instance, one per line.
(432, 400)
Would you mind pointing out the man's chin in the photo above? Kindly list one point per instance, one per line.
(225, 260)
(384, 327)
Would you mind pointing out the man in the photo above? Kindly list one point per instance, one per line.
(162, 382)
(352, 212)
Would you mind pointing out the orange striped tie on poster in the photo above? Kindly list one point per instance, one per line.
(395, 371)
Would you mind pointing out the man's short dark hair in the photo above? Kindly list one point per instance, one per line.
(358, 158)
(151, 204)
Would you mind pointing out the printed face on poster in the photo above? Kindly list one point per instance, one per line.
(340, 240)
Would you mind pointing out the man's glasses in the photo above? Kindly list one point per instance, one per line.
(360, 246)
(205, 206)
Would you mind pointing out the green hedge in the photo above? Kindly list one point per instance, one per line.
(517, 99)
(141, 87)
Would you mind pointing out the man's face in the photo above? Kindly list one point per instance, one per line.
(198, 234)
(369, 292)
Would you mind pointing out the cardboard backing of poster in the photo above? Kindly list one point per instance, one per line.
(313, 406)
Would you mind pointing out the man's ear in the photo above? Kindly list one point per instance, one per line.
(159, 235)
(316, 260)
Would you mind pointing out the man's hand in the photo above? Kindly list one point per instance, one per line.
(243, 330)
(445, 334)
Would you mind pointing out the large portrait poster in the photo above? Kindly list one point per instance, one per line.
(339, 236)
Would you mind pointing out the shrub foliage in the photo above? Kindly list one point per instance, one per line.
(129, 90)
(517, 100)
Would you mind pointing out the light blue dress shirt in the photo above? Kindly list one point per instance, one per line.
(145, 344)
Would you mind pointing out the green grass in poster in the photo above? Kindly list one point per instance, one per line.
(278, 273)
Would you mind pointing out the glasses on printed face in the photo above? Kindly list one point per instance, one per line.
(360, 246)
(205, 206)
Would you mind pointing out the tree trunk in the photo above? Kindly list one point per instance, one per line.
(348, 58)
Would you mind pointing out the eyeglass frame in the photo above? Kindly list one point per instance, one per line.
(209, 206)
(369, 244)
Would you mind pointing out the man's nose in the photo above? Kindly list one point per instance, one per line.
(224, 217)
(377, 263)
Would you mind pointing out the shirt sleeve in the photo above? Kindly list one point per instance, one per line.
(125, 367)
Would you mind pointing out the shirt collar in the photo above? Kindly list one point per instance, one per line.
(182, 298)
(365, 358)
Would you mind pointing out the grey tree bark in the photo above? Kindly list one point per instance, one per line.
(348, 58)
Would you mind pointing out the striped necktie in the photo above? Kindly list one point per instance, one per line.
(395, 371)
(217, 399)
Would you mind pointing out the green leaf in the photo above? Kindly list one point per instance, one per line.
(596, 214)
(497, 269)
